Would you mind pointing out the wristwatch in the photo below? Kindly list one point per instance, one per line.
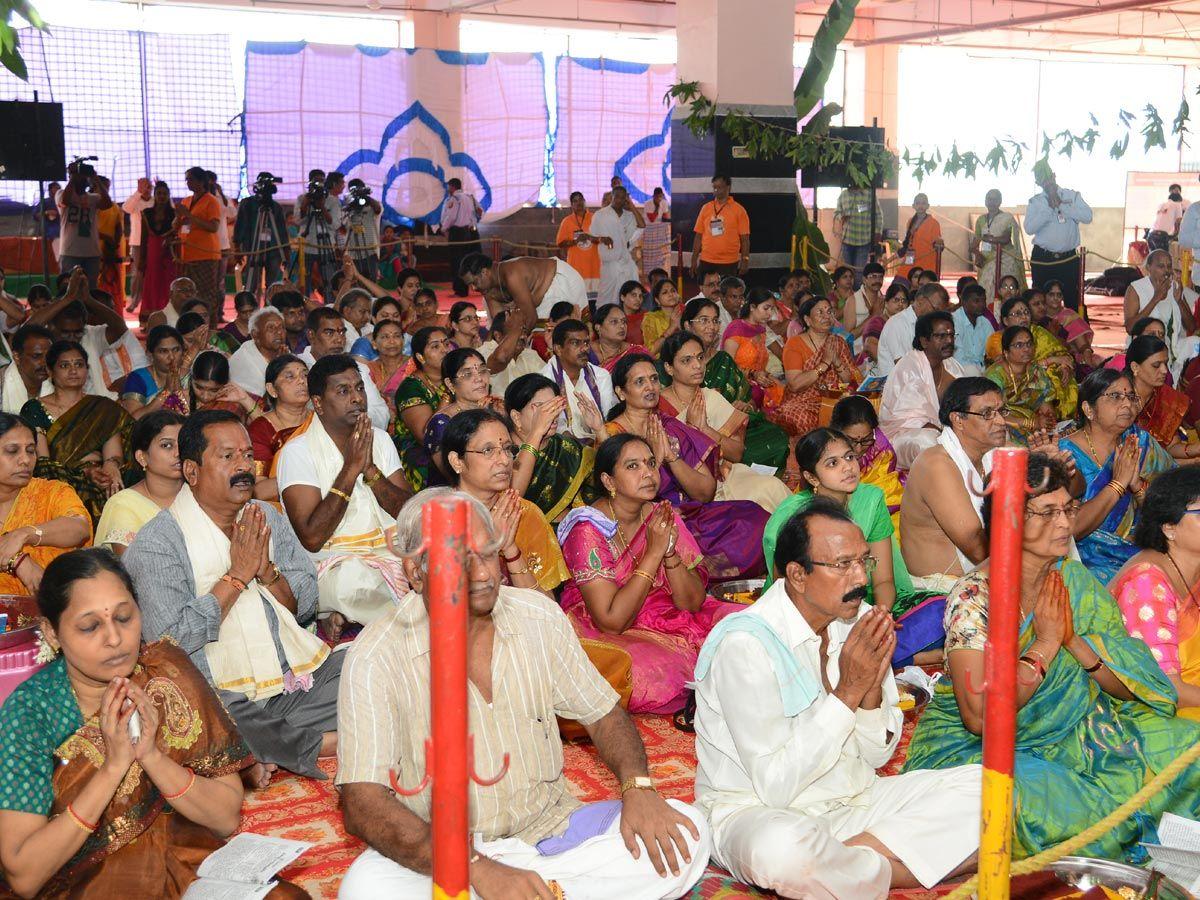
(641, 782)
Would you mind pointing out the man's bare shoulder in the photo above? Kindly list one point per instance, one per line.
(932, 461)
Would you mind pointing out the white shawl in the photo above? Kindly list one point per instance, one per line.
(243, 657)
(971, 480)
(13, 393)
(910, 397)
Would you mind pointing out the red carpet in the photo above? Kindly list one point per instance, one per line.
(306, 810)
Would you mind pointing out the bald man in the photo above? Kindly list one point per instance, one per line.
(1161, 295)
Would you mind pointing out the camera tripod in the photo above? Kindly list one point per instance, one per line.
(266, 253)
(316, 247)
(365, 256)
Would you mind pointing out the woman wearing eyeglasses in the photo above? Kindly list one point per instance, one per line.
(1115, 458)
(479, 453)
(1047, 349)
(855, 417)
(1157, 590)
(1034, 398)
(830, 469)
(1095, 714)
(638, 578)
(468, 383)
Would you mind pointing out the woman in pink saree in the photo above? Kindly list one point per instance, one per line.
(637, 579)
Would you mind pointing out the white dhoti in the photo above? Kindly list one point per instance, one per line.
(613, 274)
(600, 868)
(360, 587)
(909, 443)
(799, 855)
(743, 483)
(567, 285)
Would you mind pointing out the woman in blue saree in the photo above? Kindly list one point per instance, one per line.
(1096, 716)
(1115, 458)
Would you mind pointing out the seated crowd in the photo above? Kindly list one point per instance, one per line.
(222, 529)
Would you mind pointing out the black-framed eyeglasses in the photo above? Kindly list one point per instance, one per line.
(843, 566)
(491, 451)
(862, 443)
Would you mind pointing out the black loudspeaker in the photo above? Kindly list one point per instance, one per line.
(31, 142)
(835, 176)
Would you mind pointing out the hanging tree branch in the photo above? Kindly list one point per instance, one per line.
(10, 41)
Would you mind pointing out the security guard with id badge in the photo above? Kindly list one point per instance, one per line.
(722, 241)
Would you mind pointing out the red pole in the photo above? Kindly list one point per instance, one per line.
(444, 522)
(1000, 671)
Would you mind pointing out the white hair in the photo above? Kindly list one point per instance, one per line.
(410, 536)
(259, 314)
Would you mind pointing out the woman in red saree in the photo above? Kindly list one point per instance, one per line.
(1163, 407)
(156, 261)
(611, 325)
(286, 401)
(87, 810)
(814, 361)
(637, 576)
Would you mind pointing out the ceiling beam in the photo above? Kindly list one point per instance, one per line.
(1001, 24)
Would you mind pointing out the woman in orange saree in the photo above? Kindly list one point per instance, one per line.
(745, 339)
(814, 361)
(1163, 407)
(90, 807)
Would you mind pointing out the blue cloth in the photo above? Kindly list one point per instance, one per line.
(364, 349)
(970, 340)
(587, 822)
(796, 687)
(140, 382)
(1056, 230)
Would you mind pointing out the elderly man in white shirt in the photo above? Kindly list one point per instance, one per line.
(248, 364)
(587, 387)
(796, 708)
(617, 228)
(327, 335)
(1163, 297)
(896, 339)
(908, 412)
(1053, 218)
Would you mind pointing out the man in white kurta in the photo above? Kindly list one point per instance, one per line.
(796, 708)
(908, 412)
(616, 227)
(577, 378)
(1161, 295)
(248, 364)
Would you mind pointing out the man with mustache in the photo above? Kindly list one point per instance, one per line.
(796, 708)
(225, 578)
(27, 375)
(327, 336)
(583, 383)
(531, 839)
(341, 485)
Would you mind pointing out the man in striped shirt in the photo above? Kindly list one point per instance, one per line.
(526, 666)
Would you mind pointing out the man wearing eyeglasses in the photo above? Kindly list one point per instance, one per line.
(796, 708)
(941, 528)
(341, 486)
(581, 382)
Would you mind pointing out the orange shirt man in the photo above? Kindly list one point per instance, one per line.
(583, 250)
(722, 233)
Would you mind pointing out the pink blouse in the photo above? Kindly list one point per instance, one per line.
(1150, 609)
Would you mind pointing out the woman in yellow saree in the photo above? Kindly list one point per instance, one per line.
(1047, 349)
(1157, 589)
(88, 807)
(82, 439)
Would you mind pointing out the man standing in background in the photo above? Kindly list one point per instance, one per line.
(852, 224)
(581, 246)
(461, 213)
(1053, 218)
(616, 228)
(140, 200)
(1168, 219)
(722, 234)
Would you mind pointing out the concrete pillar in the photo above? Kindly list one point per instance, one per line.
(879, 105)
(742, 59)
(435, 30)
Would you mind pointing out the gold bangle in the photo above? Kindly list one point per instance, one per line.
(524, 571)
(338, 492)
(79, 820)
(370, 482)
(1119, 488)
(646, 575)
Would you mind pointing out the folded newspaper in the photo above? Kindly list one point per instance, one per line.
(245, 868)
(1177, 853)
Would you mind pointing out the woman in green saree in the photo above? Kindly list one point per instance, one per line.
(417, 399)
(82, 439)
(89, 809)
(766, 443)
(552, 470)
(1034, 397)
(1096, 716)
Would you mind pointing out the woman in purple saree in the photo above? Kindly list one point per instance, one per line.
(728, 532)
(638, 580)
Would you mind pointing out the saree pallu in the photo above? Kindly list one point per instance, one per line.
(1164, 413)
(142, 848)
(1080, 752)
(158, 267)
(753, 356)
(766, 442)
(727, 531)
(663, 641)
(81, 430)
(801, 412)
(1108, 548)
(1012, 257)
(1025, 396)
(388, 385)
(878, 467)
(561, 476)
(267, 442)
(36, 504)
(633, 327)
(611, 363)
(415, 462)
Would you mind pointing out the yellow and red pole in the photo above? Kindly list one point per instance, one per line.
(679, 276)
(1000, 671)
(444, 523)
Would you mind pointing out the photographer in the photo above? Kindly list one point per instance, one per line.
(260, 234)
(360, 219)
(320, 215)
(78, 204)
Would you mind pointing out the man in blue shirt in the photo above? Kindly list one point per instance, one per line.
(1053, 218)
(971, 328)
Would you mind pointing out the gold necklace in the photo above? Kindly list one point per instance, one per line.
(1087, 435)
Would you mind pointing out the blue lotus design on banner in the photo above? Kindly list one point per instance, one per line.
(405, 166)
(650, 142)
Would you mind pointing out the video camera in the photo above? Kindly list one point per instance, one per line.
(79, 166)
(316, 193)
(264, 186)
(359, 194)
